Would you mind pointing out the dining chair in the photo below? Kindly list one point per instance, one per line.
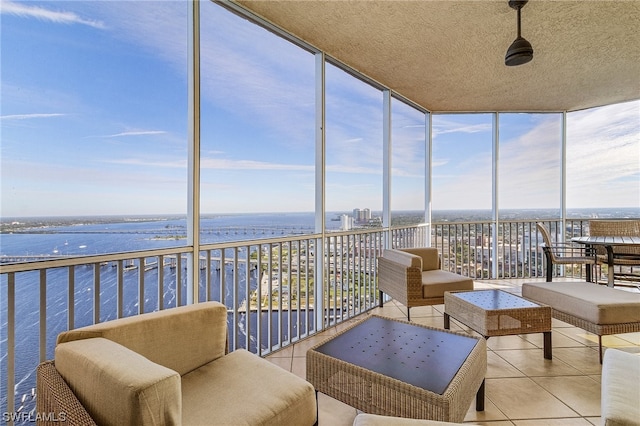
(622, 256)
(559, 253)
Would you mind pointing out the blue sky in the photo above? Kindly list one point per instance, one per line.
(93, 121)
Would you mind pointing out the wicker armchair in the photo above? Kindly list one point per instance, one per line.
(617, 255)
(565, 254)
(413, 277)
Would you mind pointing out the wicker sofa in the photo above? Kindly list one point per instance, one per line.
(169, 367)
(413, 277)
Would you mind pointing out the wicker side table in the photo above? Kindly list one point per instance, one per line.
(498, 313)
(396, 368)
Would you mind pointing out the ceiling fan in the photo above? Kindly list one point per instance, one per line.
(520, 52)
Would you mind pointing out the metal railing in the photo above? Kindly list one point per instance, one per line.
(275, 290)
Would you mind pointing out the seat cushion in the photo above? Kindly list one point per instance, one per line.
(436, 282)
(243, 389)
(591, 302)
(620, 388)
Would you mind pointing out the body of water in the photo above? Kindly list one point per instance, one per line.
(99, 235)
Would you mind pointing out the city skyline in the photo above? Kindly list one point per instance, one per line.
(94, 123)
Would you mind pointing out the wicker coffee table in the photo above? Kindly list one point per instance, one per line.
(498, 313)
(396, 368)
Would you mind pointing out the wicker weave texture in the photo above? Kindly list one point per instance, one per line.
(616, 228)
(56, 403)
(375, 393)
(403, 284)
(598, 329)
(498, 322)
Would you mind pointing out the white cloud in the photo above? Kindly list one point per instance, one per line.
(28, 116)
(137, 133)
(43, 14)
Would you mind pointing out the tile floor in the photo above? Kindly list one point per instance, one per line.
(522, 388)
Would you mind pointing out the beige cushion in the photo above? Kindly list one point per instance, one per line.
(118, 386)
(403, 258)
(620, 400)
(591, 302)
(436, 282)
(244, 389)
(364, 419)
(429, 255)
(181, 339)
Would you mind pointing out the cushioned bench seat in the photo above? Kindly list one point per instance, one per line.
(620, 395)
(597, 309)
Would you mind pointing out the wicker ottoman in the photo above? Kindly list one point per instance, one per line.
(498, 313)
(396, 368)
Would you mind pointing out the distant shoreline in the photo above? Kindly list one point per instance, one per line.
(41, 224)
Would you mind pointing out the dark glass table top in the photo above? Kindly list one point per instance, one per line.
(424, 357)
(494, 299)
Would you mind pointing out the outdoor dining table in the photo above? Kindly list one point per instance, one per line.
(609, 243)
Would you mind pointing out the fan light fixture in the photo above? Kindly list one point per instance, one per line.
(520, 52)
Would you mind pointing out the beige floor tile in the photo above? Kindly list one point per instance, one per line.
(597, 378)
(299, 367)
(332, 412)
(596, 421)
(633, 338)
(522, 398)
(509, 342)
(300, 349)
(284, 363)
(580, 392)
(283, 353)
(532, 363)
(390, 310)
(498, 367)
(435, 322)
(577, 421)
(558, 340)
(490, 413)
(583, 358)
(522, 387)
(579, 335)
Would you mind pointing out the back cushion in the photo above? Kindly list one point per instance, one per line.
(430, 257)
(181, 339)
(119, 387)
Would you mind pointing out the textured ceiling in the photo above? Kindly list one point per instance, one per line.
(449, 55)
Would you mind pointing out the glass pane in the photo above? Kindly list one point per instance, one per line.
(408, 148)
(603, 162)
(461, 167)
(257, 130)
(94, 116)
(353, 149)
(529, 171)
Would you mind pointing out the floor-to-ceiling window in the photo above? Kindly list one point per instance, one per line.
(257, 130)
(461, 166)
(94, 158)
(530, 159)
(94, 110)
(461, 187)
(354, 154)
(603, 161)
(408, 152)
